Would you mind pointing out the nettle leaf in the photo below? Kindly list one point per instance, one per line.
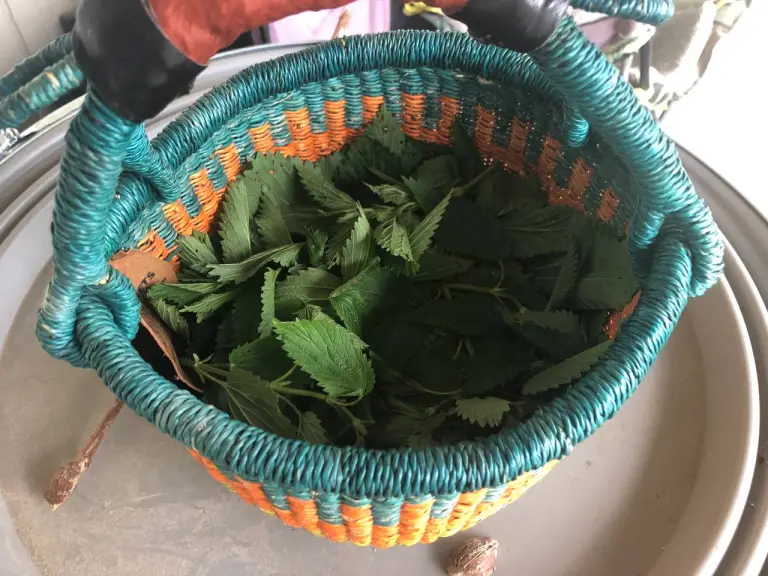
(391, 194)
(386, 130)
(240, 271)
(482, 411)
(252, 400)
(209, 304)
(458, 232)
(311, 429)
(496, 360)
(470, 315)
(268, 303)
(323, 191)
(329, 353)
(581, 239)
(338, 241)
(566, 277)
(365, 155)
(432, 180)
(414, 430)
(607, 280)
(357, 300)
(235, 223)
(197, 251)
(316, 242)
(558, 332)
(277, 176)
(264, 357)
(309, 285)
(567, 371)
(358, 250)
(181, 294)
(421, 237)
(225, 337)
(172, 317)
(465, 153)
(393, 237)
(539, 231)
(271, 224)
(246, 313)
(435, 265)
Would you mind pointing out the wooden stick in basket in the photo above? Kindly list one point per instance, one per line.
(341, 24)
(66, 478)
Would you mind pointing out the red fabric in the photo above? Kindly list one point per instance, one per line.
(200, 28)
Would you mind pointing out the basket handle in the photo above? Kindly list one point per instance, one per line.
(39, 81)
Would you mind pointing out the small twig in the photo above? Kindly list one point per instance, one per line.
(341, 24)
(66, 478)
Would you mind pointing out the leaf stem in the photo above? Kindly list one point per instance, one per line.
(461, 190)
(386, 178)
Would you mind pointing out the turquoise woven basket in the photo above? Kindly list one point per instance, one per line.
(561, 112)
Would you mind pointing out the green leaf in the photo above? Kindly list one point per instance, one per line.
(465, 153)
(558, 332)
(225, 337)
(316, 242)
(393, 237)
(264, 357)
(209, 304)
(309, 285)
(496, 360)
(241, 271)
(234, 225)
(338, 241)
(391, 194)
(268, 303)
(271, 224)
(539, 231)
(414, 430)
(471, 315)
(181, 294)
(311, 429)
(566, 277)
(329, 353)
(386, 130)
(197, 251)
(432, 180)
(421, 237)
(246, 313)
(253, 192)
(467, 230)
(359, 248)
(567, 371)
(172, 317)
(252, 400)
(363, 155)
(607, 280)
(277, 176)
(482, 411)
(439, 266)
(357, 300)
(581, 240)
(323, 191)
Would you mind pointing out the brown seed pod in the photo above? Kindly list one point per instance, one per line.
(475, 558)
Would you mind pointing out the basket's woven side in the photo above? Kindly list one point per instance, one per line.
(38, 82)
(379, 522)
(321, 117)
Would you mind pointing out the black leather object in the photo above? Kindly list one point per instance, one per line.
(128, 60)
(520, 25)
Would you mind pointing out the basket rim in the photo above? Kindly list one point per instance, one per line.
(256, 455)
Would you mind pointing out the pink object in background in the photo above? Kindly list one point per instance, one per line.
(365, 16)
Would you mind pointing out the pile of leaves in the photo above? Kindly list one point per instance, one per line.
(395, 293)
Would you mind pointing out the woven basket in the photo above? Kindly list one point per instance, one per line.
(609, 160)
